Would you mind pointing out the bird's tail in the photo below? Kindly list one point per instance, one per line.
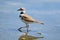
(39, 22)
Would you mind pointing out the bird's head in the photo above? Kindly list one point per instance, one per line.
(21, 9)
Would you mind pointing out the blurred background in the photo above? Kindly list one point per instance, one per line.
(47, 11)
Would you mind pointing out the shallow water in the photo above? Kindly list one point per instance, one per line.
(10, 23)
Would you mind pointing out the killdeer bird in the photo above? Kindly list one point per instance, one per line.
(26, 18)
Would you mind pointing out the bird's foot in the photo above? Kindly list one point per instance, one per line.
(19, 29)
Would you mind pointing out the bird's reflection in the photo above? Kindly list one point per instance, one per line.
(26, 35)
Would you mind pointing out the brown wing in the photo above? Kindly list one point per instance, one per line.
(27, 18)
(30, 19)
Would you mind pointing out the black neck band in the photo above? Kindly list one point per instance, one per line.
(21, 12)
